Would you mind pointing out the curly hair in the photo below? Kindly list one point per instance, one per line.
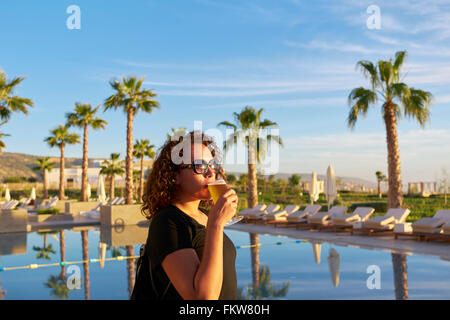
(160, 188)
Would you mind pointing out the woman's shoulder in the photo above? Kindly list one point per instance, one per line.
(168, 215)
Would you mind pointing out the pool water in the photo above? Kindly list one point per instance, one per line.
(288, 268)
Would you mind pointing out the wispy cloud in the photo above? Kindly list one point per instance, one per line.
(337, 46)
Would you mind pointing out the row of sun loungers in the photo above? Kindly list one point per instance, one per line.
(95, 213)
(359, 221)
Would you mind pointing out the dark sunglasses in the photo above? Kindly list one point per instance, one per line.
(201, 166)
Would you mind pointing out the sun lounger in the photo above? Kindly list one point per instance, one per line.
(324, 218)
(432, 224)
(247, 211)
(359, 214)
(50, 204)
(120, 201)
(384, 223)
(95, 213)
(281, 214)
(256, 215)
(301, 215)
(10, 205)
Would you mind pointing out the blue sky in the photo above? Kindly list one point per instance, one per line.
(206, 59)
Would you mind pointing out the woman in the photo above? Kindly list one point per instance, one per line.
(188, 254)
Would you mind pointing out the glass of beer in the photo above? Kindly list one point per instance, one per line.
(216, 189)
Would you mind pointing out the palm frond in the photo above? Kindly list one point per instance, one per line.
(360, 99)
(417, 105)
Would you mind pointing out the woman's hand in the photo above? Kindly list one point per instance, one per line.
(224, 209)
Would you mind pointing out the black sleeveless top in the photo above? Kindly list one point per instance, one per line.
(171, 230)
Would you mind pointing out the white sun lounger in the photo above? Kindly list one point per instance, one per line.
(247, 211)
(324, 218)
(359, 214)
(301, 215)
(281, 214)
(432, 224)
(10, 205)
(269, 210)
(387, 222)
(51, 204)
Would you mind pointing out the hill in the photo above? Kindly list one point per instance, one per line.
(21, 165)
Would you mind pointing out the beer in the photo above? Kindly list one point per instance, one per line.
(217, 188)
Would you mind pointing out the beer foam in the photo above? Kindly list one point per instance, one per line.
(221, 181)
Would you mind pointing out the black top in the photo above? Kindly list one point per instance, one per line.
(171, 230)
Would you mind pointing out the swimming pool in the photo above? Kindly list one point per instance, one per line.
(288, 268)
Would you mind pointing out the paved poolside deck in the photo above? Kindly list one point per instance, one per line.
(374, 242)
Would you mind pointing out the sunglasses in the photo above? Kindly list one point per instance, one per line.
(202, 167)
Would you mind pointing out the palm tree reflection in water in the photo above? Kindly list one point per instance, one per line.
(400, 276)
(261, 286)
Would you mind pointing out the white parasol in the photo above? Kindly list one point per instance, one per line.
(313, 188)
(333, 263)
(7, 195)
(33, 193)
(317, 250)
(102, 253)
(88, 191)
(101, 194)
(330, 190)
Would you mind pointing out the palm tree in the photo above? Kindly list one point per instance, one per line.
(181, 131)
(110, 168)
(60, 136)
(380, 178)
(247, 128)
(142, 148)
(44, 165)
(2, 144)
(8, 101)
(83, 117)
(397, 99)
(131, 98)
(58, 286)
(265, 289)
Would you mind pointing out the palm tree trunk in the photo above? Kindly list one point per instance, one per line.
(61, 173)
(400, 276)
(254, 250)
(111, 186)
(379, 189)
(130, 269)
(85, 245)
(129, 158)
(62, 250)
(84, 178)
(252, 182)
(141, 186)
(395, 196)
(45, 184)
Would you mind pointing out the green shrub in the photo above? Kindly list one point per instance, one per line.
(48, 211)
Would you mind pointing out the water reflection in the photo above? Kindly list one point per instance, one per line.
(261, 286)
(400, 276)
(122, 241)
(47, 249)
